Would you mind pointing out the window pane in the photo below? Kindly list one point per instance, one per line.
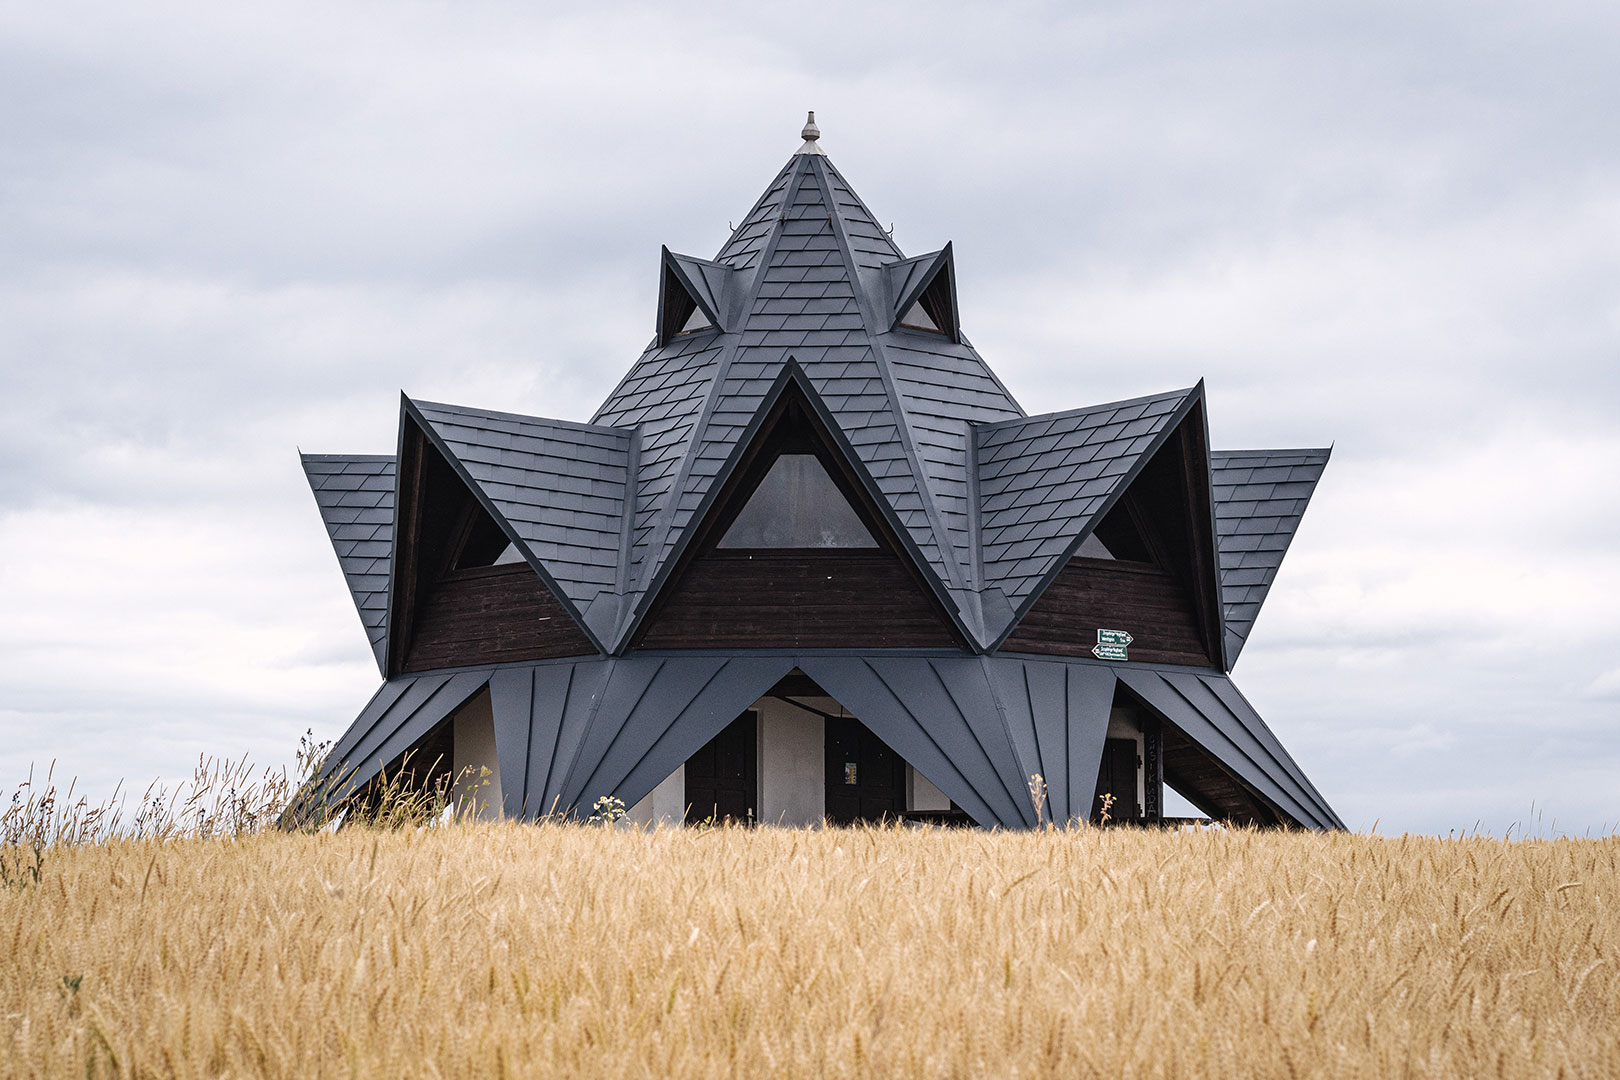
(696, 321)
(797, 505)
(919, 318)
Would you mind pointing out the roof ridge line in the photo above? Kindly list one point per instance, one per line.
(584, 425)
(1066, 413)
(661, 527)
(908, 442)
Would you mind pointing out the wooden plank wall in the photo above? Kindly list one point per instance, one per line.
(491, 615)
(810, 598)
(1101, 594)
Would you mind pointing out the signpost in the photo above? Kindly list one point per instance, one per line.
(1111, 645)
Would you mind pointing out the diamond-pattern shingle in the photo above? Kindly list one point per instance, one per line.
(355, 494)
(1260, 496)
(563, 487)
(1044, 480)
(812, 277)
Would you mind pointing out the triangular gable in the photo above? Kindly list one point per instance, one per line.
(805, 301)
(693, 295)
(922, 293)
(562, 488)
(1161, 499)
(1045, 481)
(1260, 497)
(726, 596)
(453, 599)
(355, 494)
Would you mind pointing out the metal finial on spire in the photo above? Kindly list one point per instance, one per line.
(810, 134)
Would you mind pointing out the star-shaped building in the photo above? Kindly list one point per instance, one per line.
(811, 560)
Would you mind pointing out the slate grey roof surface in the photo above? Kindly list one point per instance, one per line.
(1045, 481)
(355, 494)
(1260, 496)
(903, 400)
(563, 488)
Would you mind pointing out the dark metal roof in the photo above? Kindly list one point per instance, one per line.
(815, 295)
(561, 486)
(1260, 497)
(355, 493)
(988, 501)
(1210, 711)
(1045, 481)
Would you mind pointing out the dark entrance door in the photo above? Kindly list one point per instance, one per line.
(1117, 777)
(722, 779)
(866, 781)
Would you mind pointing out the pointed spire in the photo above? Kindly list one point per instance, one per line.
(810, 134)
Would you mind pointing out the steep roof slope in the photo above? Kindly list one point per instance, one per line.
(812, 253)
(561, 486)
(1260, 497)
(355, 494)
(986, 500)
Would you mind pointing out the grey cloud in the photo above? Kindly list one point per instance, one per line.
(235, 230)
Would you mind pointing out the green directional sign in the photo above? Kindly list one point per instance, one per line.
(1111, 645)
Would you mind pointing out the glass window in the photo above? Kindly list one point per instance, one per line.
(1093, 548)
(917, 317)
(697, 321)
(797, 505)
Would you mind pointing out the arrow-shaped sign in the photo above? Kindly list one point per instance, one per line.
(1111, 645)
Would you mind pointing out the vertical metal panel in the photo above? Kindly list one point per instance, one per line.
(412, 716)
(1009, 684)
(969, 684)
(1234, 700)
(1090, 693)
(511, 700)
(672, 686)
(555, 685)
(944, 750)
(1213, 737)
(1201, 698)
(381, 702)
(584, 694)
(654, 742)
(935, 689)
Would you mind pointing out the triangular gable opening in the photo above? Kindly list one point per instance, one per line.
(462, 593)
(932, 307)
(797, 505)
(1147, 569)
(680, 311)
(795, 554)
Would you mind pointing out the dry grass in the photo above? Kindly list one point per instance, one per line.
(583, 951)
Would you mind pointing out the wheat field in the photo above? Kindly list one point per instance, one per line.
(577, 950)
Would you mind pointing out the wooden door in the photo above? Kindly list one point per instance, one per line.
(866, 781)
(722, 779)
(1117, 777)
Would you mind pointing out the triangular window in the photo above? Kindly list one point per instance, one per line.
(797, 505)
(934, 310)
(679, 311)
(696, 321)
(918, 319)
(1118, 536)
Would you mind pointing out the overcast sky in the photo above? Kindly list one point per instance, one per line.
(231, 231)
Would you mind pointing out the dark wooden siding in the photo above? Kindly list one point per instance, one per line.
(1095, 594)
(491, 614)
(797, 599)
